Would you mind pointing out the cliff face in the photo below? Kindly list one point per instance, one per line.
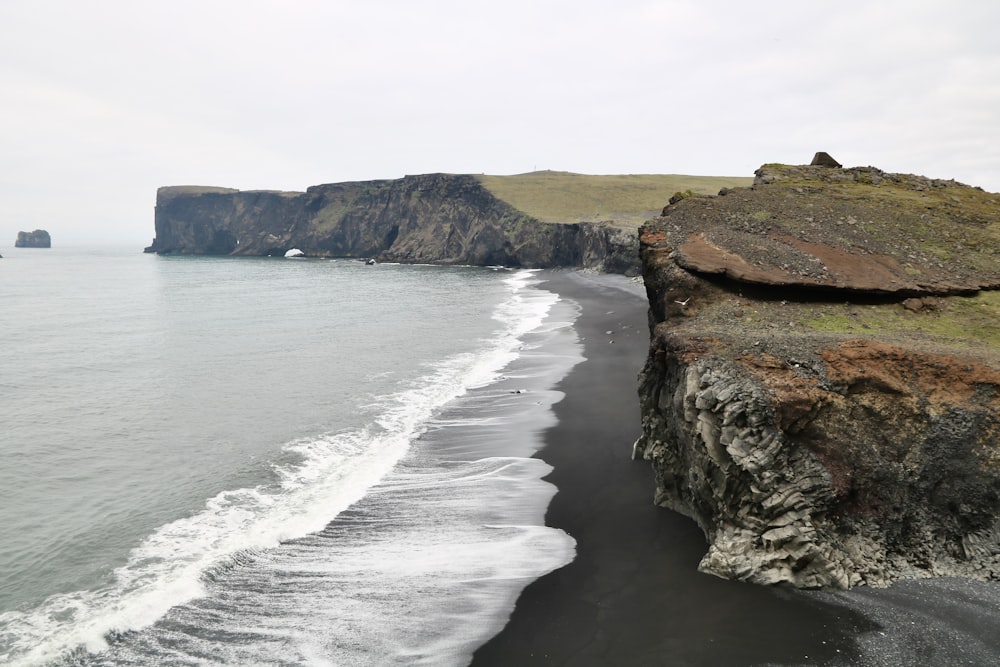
(439, 218)
(822, 393)
(36, 239)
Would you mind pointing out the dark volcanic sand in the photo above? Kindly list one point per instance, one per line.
(633, 595)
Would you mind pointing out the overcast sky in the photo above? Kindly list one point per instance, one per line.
(103, 101)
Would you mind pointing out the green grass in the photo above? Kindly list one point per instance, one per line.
(970, 320)
(197, 189)
(169, 192)
(628, 200)
(914, 215)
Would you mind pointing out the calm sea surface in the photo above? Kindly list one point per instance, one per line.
(280, 461)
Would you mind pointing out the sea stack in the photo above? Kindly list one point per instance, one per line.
(36, 239)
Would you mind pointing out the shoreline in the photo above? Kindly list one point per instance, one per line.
(633, 594)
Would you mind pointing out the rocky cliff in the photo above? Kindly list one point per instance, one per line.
(822, 393)
(439, 218)
(36, 239)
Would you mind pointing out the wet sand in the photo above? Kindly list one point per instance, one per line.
(633, 595)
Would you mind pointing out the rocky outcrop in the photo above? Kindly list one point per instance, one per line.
(36, 239)
(435, 218)
(822, 393)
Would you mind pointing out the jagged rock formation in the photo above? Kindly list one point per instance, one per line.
(824, 159)
(36, 239)
(822, 393)
(438, 218)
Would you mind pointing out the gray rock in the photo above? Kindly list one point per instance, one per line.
(433, 218)
(36, 239)
(822, 159)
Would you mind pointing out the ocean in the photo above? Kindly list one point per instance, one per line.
(281, 461)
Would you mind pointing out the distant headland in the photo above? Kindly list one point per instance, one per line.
(540, 219)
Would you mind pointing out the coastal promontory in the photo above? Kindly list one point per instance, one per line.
(822, 392)
(36, 239)
(540, 219)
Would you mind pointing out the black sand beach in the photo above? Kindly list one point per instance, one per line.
(633, 595)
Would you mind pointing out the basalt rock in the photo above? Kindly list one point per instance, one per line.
(433, 218)
(36, 239)
(824, 159)
(822, 394)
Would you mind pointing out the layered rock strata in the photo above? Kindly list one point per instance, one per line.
(822, 394)
(438, 218)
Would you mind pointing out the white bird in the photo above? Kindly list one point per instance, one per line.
(684, 302)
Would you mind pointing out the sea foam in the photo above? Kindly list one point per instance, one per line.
(424, 530)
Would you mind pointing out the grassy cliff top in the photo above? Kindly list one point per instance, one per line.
(820, 253)
(963, 325)
(169, 192)
(627, 199)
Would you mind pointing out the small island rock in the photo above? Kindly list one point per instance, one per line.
(36, 239)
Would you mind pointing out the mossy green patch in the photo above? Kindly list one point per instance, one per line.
(969, 321)
(627, 200)
(927, 221)
(328, 218)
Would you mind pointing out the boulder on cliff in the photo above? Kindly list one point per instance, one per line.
(822, 393)
(824, 159)
(38, 238)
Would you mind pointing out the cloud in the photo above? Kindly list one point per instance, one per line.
(107, 101)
